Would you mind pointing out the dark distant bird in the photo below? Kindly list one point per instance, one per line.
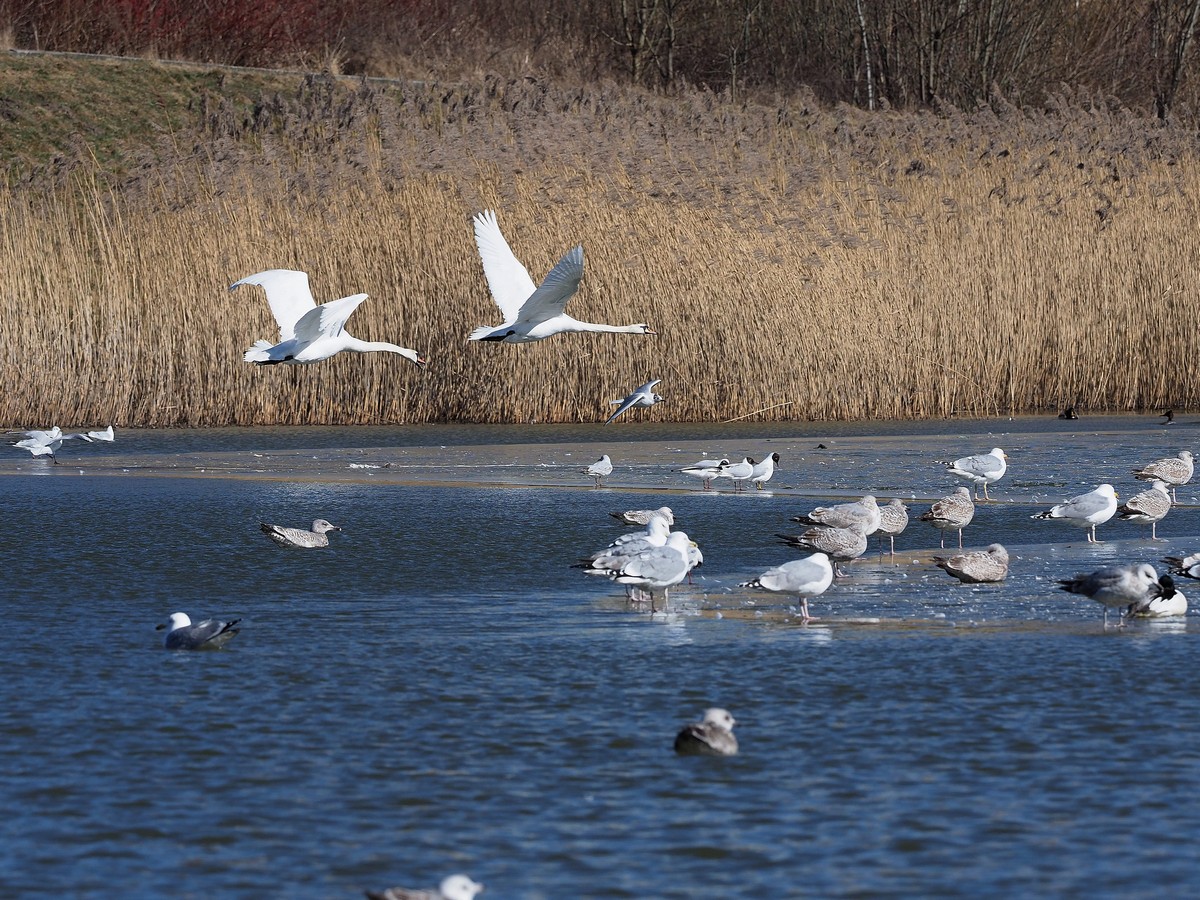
(711, 737)
(1068, 413)
(1168, 417)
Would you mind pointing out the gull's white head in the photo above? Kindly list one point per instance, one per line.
(174, 622)
(719, 718)
(679, 541)
(459, 887)
(1107, 490)
(320, 526)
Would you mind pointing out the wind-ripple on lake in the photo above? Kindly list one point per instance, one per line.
(440, 691)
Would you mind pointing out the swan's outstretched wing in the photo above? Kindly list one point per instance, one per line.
(328, 319)
(550, 299)
(288, 294)
(507, 279)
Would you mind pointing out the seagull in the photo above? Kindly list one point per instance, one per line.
(953, 512)
(738, 473)
(1148, 506)
(1174, 470)
(209, 634)
(657, 568)
(977, 566)
(841, 544)
(298, 537)
(600, 468)
(1187, 566)
(862, 513)
(308, 333)
(711, 737)
(1171, 603)
(531, 314)
(107, 435)
(643, 396)
(893, 519)
(47, 443)
(643, 516)
(706, 469)
(764, 470)
(1085, 511)
(983, 469)
(805, 577)
(456, 887)
(612, 557)
(1120, 586)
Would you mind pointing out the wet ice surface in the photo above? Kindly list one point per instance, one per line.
(440, 691)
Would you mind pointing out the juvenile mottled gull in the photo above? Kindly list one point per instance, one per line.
(1171, 603)
(953, 512)
(981, 470)
(841, 544)
(456, 887)
(183, 635)
(1120, 586)
(643, 516)
(1148, 506)
(600, 468)
(764, 470)
(1187, 566)
(861, 514)
(805, 578)
(706, 469)
(977, 566)
(893, 519)
(1085, 511)
(738, 473)
(298, 537)
(643, 396)
(657, 568)
(711, 737)
(1174, 470)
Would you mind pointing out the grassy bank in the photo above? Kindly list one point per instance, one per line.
(797, 262)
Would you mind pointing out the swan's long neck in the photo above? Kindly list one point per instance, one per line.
(354, 345)
(576, 325)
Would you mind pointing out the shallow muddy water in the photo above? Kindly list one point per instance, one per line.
(440, 691)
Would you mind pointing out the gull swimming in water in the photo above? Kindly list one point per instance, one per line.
(893, 519)
(1174, 470)
(841, 544)
(713, 736)
(953, 512)
(764, 470)
(1120, 586)
(1085, 511)
(298, 537)
(977, 566)
(657, 568)
(456, 887)
(531, 313)
(1149, 506)
(981, 470)
(205, 635)
(738, 473)
(308, 333)
(643, 396)
(600, 468)
(1171, 603)
(706, 469)
(863, 514)
(643, 516)
(807, 577)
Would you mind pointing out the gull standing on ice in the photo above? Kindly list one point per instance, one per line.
(711, 737)
(1120, 586)
(600, 468)
(1149, 506)
(953, 512)
(893, 519)
(308, 333)
(805, 578)
(1174, 470)
(764, 470)
(643, 397)
(983, 469)
(1085, 511)
(659, 567)
(205, 635)
(977, 566)
(706, 469)
(841, 544)
(298, 537)
(738, 473)
(531, 313)
(863, 514)
(456, 887)
(643, 516)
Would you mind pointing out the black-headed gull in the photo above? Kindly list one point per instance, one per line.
(706, 469)
(643, 396)
(601, 467)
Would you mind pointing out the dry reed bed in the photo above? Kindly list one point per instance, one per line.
(797, 263)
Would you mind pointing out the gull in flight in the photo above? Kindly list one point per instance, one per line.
(298, 537)
(1085, 511)
(981, 470)
(205, 635)
(1121, 586)
(711, 737)
(308, 333)
(805, 577)
(456, 887)
(643, 396)
(531, 313)
(977, 566)
(600, 468)
(47, 442)
(706, 469)
(1174, 470)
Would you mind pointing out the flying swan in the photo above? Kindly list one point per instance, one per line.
(308, 333)
(531, 313)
